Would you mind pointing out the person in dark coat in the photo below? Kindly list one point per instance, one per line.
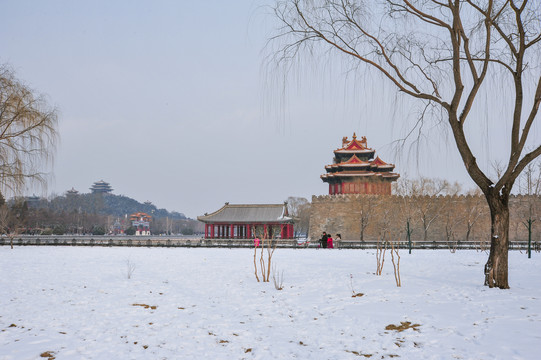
(323, 240)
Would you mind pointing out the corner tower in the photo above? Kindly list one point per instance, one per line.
(355, 171)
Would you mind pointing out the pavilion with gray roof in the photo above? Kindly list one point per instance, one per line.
(245, 221)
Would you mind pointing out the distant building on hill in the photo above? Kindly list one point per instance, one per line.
(32, 201)
(101, 187)
(72, 192)
(355, 171)
(141, 222)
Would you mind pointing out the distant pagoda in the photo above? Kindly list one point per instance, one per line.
(355, 171)
(101, 187)
(72, 192)
(32, 200)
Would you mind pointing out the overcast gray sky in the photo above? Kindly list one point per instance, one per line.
(170, 101)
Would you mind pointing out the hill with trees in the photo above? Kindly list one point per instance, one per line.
(93, 213)
(103, 204)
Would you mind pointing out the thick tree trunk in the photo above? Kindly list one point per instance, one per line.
(496, 268)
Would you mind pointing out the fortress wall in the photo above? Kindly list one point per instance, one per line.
(456, 218)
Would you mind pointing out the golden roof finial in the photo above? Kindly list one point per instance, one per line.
(354, 136)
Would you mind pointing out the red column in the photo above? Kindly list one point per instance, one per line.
(283, 233)
(248, 235)
(206, 231)
(265, 231)
(291, 231)
(232, 232)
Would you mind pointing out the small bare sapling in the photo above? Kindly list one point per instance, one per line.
(265, 266)
(396, 265)
(277, 278)
(380, 255)
(255, 263)
(353, 292)
(130, 268)
(270, 252)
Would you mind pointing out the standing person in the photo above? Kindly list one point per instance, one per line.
(323, 240)
(256, 241)
(337, 240)
(329, 242)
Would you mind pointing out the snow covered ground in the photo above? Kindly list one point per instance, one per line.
(182, 303)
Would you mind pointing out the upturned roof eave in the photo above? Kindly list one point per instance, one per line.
(353, 151)
(343, 174)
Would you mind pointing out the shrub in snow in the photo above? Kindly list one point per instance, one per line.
(130, 268)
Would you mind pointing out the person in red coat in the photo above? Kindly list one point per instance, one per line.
(329, 241)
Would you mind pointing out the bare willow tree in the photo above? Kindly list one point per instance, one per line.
(27, 133)
(441, 53)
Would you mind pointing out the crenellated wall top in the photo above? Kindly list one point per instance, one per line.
(352, 197)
